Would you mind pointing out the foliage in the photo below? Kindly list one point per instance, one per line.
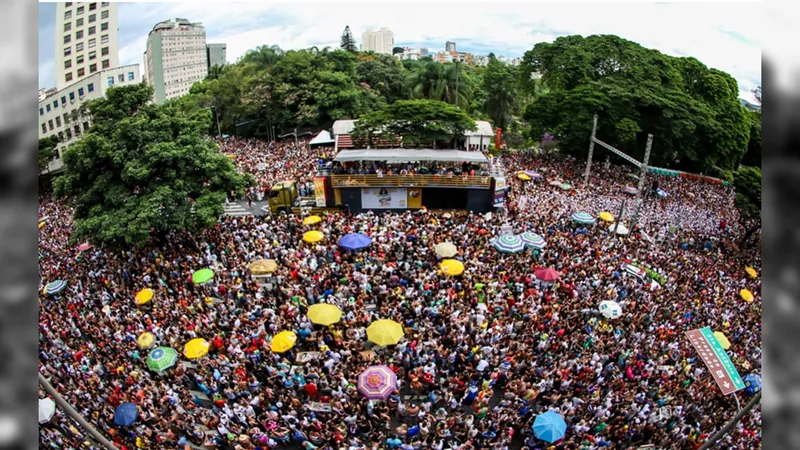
(397, 50)
(693, 112)
(753, 155)
(47, 151)
(747, 183)
(501, 87)
(419, 122)
(348, 43)
(140, 169)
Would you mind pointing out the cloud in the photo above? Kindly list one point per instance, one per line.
(720, 36)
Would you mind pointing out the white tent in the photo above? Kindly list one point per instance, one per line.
(322, 138)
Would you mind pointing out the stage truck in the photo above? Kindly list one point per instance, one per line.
(399, 179)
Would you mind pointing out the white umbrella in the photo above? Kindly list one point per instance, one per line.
(621, 229)
(47, 408)
(610, 309)
(446, 249)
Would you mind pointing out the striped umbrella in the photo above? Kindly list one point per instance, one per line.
(377, 382)
(630, 190)
(509, 243)
(583, 217)
(533, 240)
(54, 287)
(533, 174)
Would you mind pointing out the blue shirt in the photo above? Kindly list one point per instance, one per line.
(393, 442)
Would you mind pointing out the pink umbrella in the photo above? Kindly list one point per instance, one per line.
(83, 247)
(377, 382)
(548, 275)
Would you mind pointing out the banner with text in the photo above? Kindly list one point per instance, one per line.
(384, 198)
(319, 191)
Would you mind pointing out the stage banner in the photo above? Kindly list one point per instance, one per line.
(498, 139)
(414, 198)
(499, 191)
(319, 192)
(384, 198)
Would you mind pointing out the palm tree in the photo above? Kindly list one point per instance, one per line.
(264, 56)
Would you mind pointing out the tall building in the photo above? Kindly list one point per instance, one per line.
(450, 46)
(85, 40)
(175, 58)
(215, 55)
(381, 41)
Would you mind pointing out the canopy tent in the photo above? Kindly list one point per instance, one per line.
(323, 138)
(399, 155)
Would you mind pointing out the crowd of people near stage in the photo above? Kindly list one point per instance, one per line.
(484, 353)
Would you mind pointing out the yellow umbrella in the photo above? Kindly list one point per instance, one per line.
(746, 295)
(41, 225)
(324, 314)
(311, 220)
(606, 217)
(723, 341)
(144, 296)
(146, 340)
(385, 332)
(283, 341)
(446, 249)
(523, 177)
(263, 266)
(196, 348)
(752, 272)
(314, 236)
(452, 267)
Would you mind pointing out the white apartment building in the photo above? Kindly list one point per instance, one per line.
(60, 111)
(85, 40)
(381, 41)
(175, 58)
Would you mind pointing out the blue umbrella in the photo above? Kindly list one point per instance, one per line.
(354, 241)
(549, 427)
(752, 384)
(54, 287)
(125, 414)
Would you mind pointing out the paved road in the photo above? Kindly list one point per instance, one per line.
(242, 209)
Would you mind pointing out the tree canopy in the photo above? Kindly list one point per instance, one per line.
(348, 43)
(142, 167)
(747, 182)
(47, 151)
(692, 111)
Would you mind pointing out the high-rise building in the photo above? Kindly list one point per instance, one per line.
(85, 40)
(175, 58)
(215, 54)
(450, 46)
(381, 41)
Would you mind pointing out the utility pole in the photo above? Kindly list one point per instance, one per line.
(732, 423)
(74, 414)
(642, 176)
(296, 145)
(591, 150)
(619, 217)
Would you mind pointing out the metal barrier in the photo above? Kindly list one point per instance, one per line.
(443, 181)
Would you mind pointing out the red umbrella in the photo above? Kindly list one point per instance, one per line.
(548, 275)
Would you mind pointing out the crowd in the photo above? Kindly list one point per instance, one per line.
(483, 354)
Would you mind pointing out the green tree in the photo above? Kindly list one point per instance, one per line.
(47, 151)
(500, 84)
(418, 122)
(383, 74)
(141, 168)
(348, 43)
(397, 50)
(442, 82)
(747, 183)
(263, 56)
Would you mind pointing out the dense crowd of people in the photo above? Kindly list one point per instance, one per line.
(483, 354)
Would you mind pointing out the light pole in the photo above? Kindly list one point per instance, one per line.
(216, 116)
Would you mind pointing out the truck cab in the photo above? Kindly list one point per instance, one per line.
(282, 197)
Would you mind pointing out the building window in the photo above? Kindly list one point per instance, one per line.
(92, 42)
(66, 118)
(92, 30)
(104, 26)
(67, 51)
(92, 55)
(85, 126)
(104, 15)
(79, 22)
(92, 6)
(80, 92)
(68, 15)
(67, 38)
(79, 59)
(77, 129)
(93, 68)
(79, 47)
(68, 4)
(55, 104)
(81, 72)
(92, 18)
(64, 100)
(48, 107)
(58, 121)
(121, 78)
(44, 128)
(80, 10)
(110, 81)
(104, 39)
(106, 64)
(68, 76)
(104, 4)
(90, 87)
(50, 124)
(130, 76)
(104, 51)
(67, 27)
(41, 111)
(79, 34)
(69, 133)
(72, 96)
(68, 64)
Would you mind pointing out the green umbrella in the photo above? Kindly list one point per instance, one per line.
(161, 359)
(566, 186)
(202, 276)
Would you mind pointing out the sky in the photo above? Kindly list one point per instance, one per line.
(726, 36)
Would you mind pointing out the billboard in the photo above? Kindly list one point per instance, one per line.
(319, 191)
(716, 360)
(384, 198)
(499, 191)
